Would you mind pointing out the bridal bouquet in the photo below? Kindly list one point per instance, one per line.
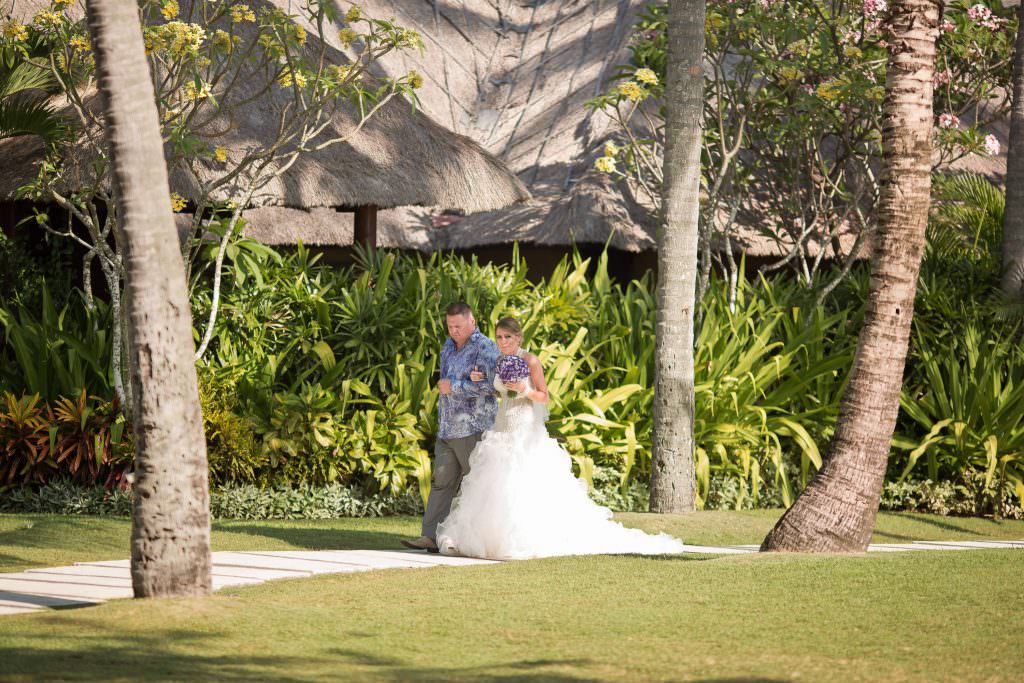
(512, 369)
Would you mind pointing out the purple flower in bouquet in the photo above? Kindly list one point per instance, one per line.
(512, 369)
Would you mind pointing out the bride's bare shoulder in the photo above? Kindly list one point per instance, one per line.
(531, 359)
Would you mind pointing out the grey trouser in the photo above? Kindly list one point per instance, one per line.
(451, 464)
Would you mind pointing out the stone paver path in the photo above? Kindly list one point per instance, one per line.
(87, 583)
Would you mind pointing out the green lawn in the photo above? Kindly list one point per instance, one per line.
(937, 616)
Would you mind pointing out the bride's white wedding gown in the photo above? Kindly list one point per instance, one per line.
(520, 498)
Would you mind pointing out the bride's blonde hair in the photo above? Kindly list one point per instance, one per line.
(509, 324)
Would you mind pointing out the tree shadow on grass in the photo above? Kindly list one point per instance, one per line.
(312, 538)
(394, 668)
(196, 655)
(920, 519)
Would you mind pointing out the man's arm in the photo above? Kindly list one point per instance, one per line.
(487, 361)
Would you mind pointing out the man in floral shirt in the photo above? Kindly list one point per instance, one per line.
(465, 410)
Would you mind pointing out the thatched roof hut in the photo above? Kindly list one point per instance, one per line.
(401, 156)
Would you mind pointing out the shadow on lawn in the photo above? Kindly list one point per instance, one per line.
(394, 669)
(312, 538)
(921, 519)
(184, 654)
(106, 653)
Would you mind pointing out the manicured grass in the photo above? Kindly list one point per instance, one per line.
(51, 540)
(936, 616)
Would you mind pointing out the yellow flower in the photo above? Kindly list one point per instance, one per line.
(300, 35)
(605, 164)
(789, 73)
(220, 155)
(153, 38)
(407, 38)
(46, 19)
(646, 76)
(61, 4)
(178, 202)
(180, 38)
(353, 14)
(632, 91)
(415, 80)
(347, 36)
(240, 13)
(197, 92)
(339, 72)
(852, 51)
(79, 44)
(14, 31)
(287, 78)
(221, 40)
(611, 149)
(169, 9)
(828, 90)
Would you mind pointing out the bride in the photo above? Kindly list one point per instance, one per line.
(520, 498)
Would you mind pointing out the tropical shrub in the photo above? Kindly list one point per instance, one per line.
(56, 352)
(82, 438)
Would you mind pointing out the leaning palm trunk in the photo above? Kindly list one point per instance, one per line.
(672, 472)
(170, 516)
(1013, 220)
(836, 513)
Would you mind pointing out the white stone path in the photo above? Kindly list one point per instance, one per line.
(87, 583)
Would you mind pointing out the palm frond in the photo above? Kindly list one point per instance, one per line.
(28, 116)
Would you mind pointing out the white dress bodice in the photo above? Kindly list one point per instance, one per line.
(517, 413)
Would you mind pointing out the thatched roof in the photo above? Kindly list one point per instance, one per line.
(516, 79)
(401, 157)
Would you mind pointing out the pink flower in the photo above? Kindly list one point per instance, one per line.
(979, 12)
(991, 144)
(984, 17)
(872, 8)
(941, 78)
(949, 121)
(807, 87)
(947, 26)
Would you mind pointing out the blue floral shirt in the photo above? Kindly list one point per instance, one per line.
(471, 406)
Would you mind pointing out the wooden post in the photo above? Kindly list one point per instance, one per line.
(365, 226)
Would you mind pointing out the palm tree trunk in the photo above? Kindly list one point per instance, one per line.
(170, 515)
(672, 470)
(836, 512)
(1013, 220)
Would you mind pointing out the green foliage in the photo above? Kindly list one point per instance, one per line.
(56, 352)
(82, 438)
(970, 407)
(231, 447)
(969, 496)
(231, 501)
(335, 368)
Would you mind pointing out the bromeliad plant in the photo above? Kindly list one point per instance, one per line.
(82, 439)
